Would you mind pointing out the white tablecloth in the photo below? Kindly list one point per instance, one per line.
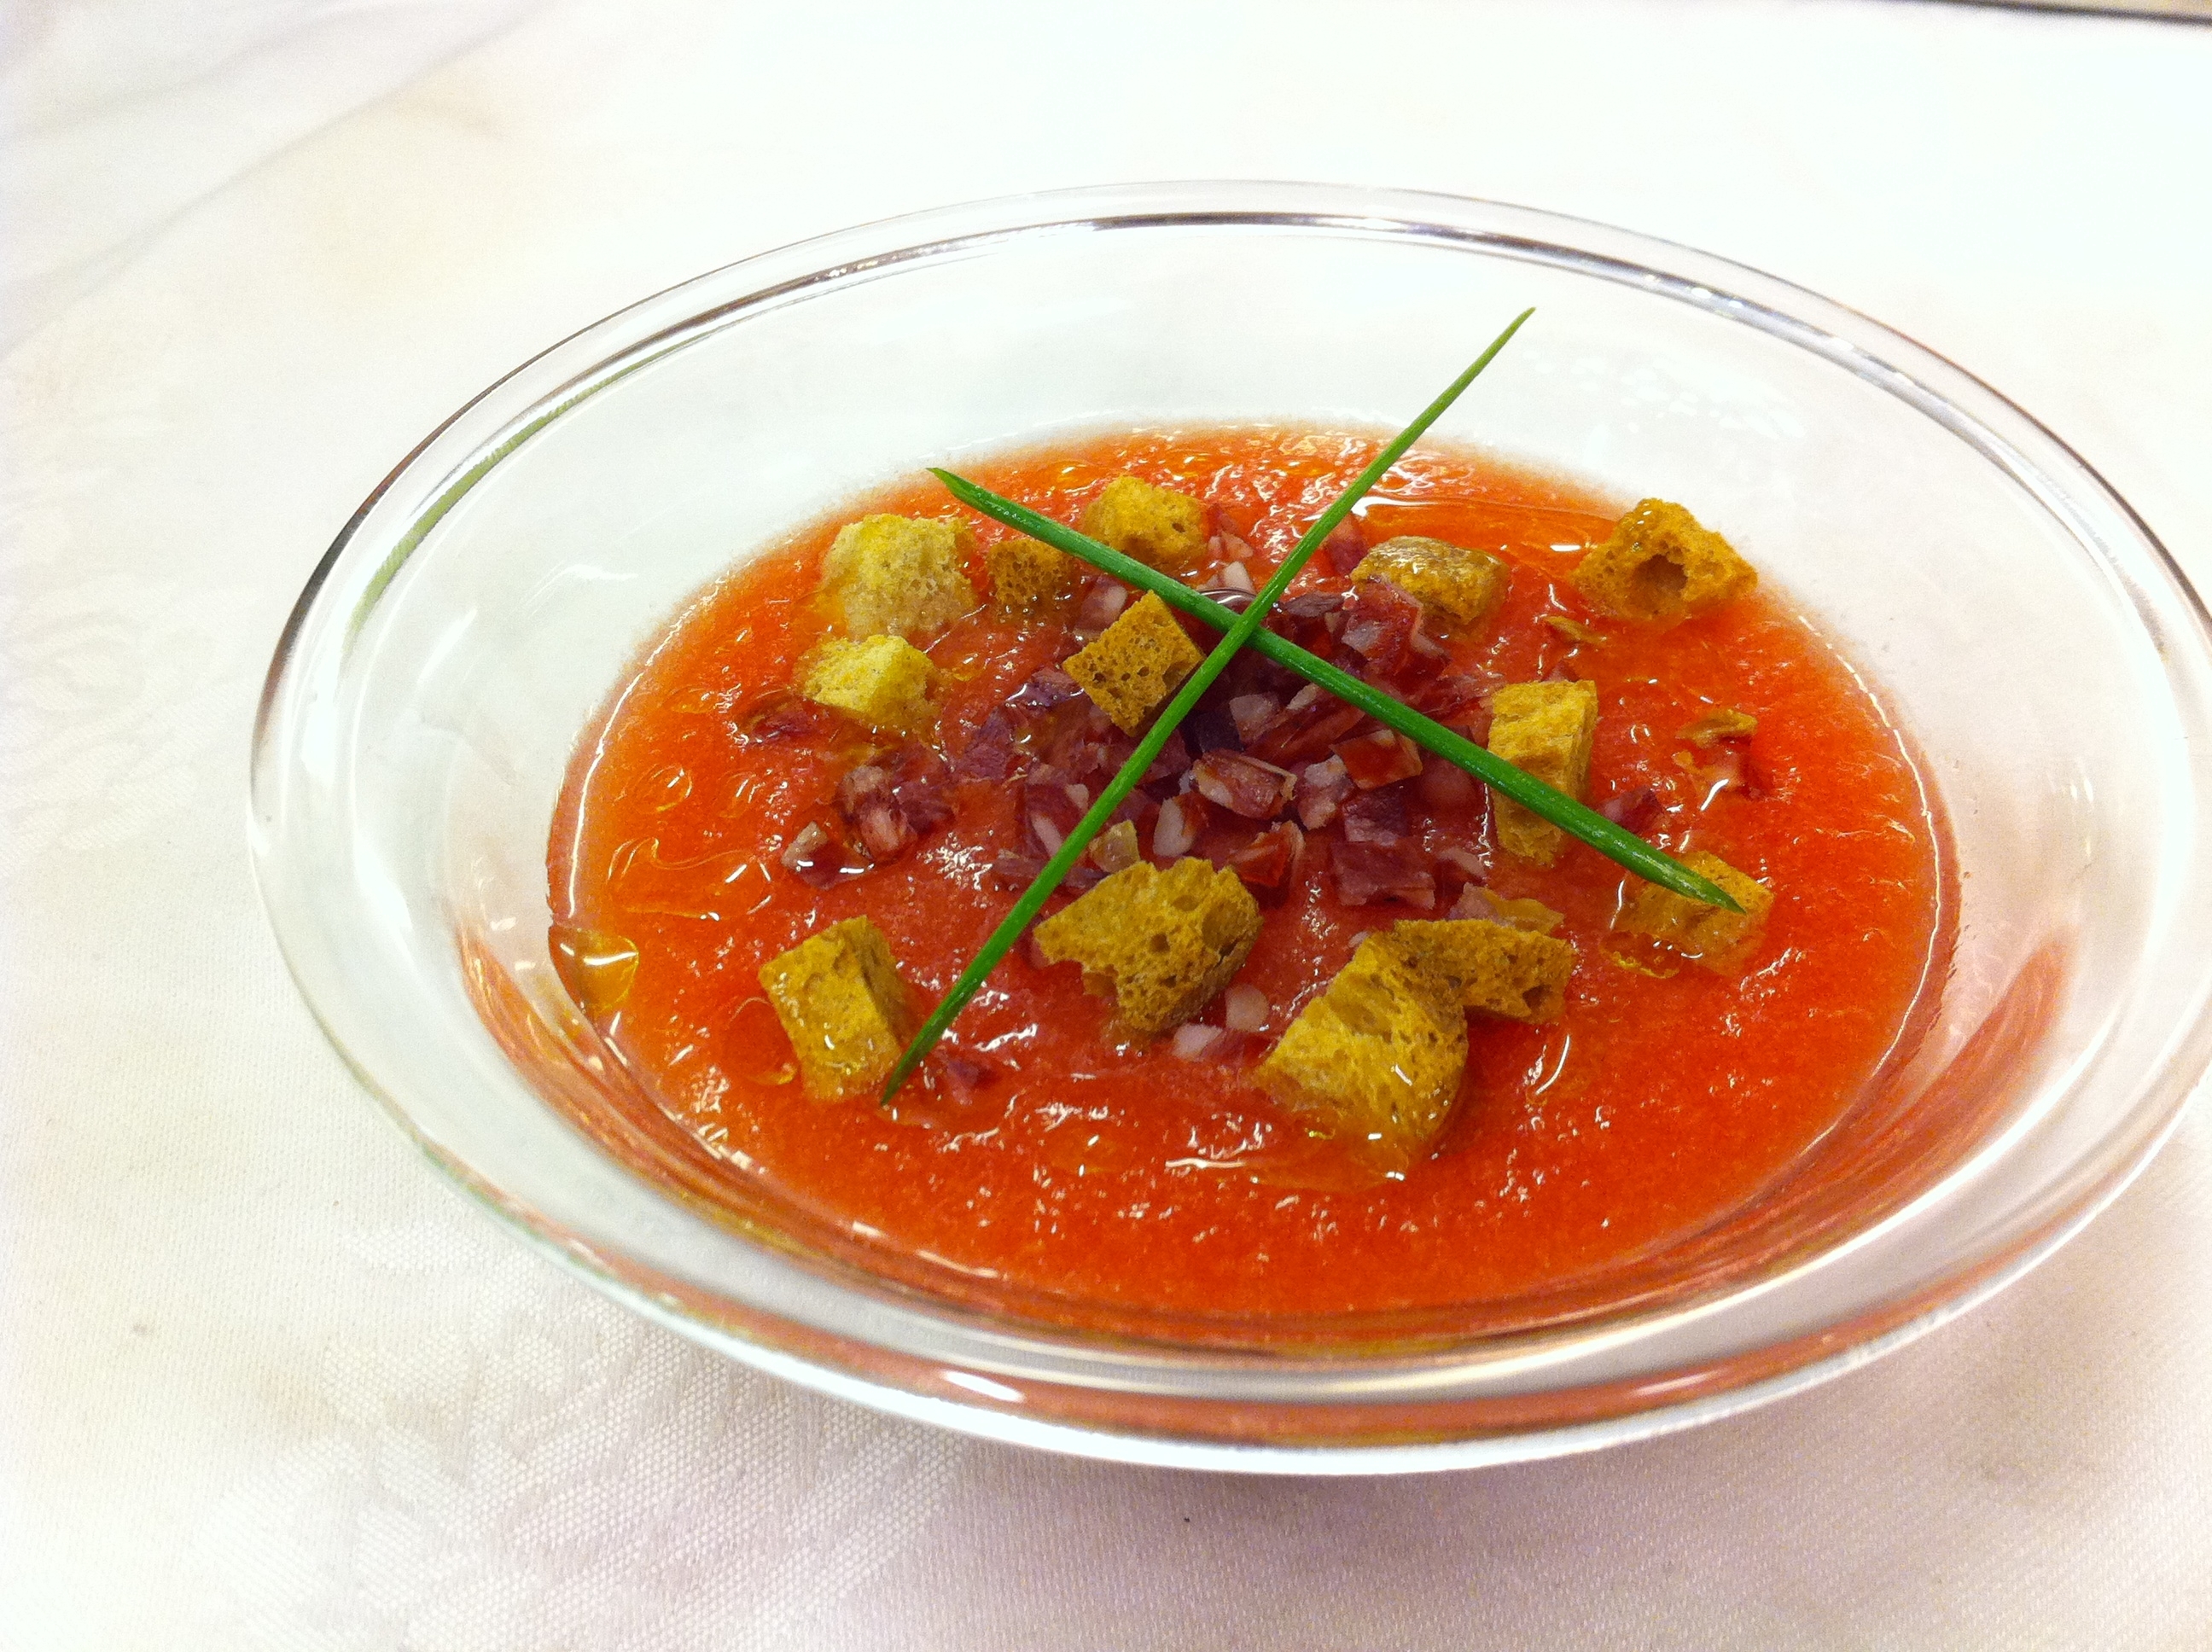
(266, 1381)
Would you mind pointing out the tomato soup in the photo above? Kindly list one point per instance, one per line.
(702, 834)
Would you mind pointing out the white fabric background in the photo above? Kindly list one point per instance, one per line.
(267, 1382)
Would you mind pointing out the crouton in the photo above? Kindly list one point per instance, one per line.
(1546, 728)
(1132, 667)
(885, 682)
(1377, 1057)
(1161, 945)
(1496, 967)
(898, 576)
(1712, 936)
(1457, 586)
(1155, 526)
(839, 999)
(1032, 583)
(1660, 564)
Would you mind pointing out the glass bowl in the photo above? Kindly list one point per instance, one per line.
(2015, 617)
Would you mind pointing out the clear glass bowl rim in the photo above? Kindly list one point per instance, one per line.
(856, 1367)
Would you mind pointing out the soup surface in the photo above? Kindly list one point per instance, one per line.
(1039, 1150)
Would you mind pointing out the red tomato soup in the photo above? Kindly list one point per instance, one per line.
(1040, 1149)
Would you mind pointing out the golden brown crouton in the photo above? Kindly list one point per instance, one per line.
(1161, 945)
(1546, 728)
(1712, 936)
(883, 681)
(839, 999)
(1460, 587)
(898, 576)
(1661, 564)
(1495, 966)
(1377, 1057)
(1153, 524)
(1032, 583)
(1132, 665)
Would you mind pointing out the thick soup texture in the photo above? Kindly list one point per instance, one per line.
(1040, 1149)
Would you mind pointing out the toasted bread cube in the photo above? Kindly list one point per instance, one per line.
(1132, 667)
(1032, 583)
(1377, 1057)
(1458, 587)
(1496, 967)
(899, 576)
(1155, 526)
(839, 999)
(1661, 564)
(1161, 945)
(1546, 728)
(1712, 936)
(883, 681)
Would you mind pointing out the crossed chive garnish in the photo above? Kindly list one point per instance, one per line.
(1245, 630)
